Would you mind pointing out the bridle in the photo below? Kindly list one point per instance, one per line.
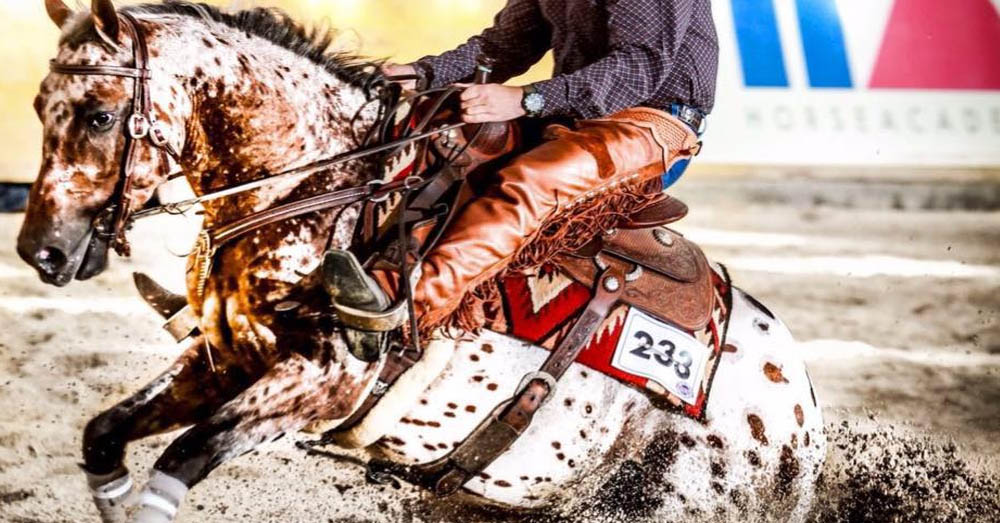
(111, 223)
(118, 215)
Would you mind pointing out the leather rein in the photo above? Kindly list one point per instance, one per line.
(117, 217)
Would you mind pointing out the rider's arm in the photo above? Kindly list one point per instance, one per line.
(519, 38)
(645, 37)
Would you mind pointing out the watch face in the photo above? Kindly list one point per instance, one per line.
(533, 103)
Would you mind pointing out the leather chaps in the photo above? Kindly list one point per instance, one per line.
(596, 158)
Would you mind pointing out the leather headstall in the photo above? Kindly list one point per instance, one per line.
(112, 222)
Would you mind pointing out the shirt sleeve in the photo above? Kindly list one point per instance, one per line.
(645, 37)
(519, 37)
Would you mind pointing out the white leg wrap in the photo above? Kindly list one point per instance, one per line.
(160, 500)
(110, 492)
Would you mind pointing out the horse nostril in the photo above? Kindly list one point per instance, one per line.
(51, 260)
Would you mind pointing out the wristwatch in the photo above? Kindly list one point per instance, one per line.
(533, 102)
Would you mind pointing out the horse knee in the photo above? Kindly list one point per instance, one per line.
(104, 441)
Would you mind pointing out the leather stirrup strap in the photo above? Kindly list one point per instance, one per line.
(511, 418)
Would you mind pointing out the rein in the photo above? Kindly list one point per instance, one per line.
(375, 189)
(118, 215)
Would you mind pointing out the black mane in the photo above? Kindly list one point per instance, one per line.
(277, 27)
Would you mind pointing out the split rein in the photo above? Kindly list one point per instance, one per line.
(375, 190)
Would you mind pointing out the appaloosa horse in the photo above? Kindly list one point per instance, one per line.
(241, 96)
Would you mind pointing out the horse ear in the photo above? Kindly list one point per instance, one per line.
(58, 11)
(106, 19)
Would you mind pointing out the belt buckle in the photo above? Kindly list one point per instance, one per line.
(689, 114)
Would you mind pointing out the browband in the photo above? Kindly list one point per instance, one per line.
(99, 70)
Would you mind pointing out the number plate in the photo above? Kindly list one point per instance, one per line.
(665, 354)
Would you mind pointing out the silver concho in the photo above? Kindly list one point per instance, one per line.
(634, 274)
(286, 306)
(664, 237)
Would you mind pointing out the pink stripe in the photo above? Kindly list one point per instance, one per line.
(935, 44)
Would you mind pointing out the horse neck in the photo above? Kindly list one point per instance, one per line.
(256, 109)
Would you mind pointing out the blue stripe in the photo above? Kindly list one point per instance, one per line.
(759, 43)
(823, 42)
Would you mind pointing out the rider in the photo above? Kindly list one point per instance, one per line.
(634, 79)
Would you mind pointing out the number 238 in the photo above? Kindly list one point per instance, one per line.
(681, 362)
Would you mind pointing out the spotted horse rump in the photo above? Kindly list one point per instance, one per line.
(599, 445)
(616, 430)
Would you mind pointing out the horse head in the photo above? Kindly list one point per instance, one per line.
(235, 98)
(228, 99)
(85, 119)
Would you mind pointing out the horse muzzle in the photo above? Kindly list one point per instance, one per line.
(59, 264)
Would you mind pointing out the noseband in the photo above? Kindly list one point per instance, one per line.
(112, 222)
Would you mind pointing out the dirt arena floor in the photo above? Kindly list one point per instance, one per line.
(893, 289)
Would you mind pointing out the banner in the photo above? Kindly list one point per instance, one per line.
(857, 82)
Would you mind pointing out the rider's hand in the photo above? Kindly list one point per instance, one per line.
(491, 103)
(390, 69)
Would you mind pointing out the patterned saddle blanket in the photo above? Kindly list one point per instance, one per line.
(666, 334)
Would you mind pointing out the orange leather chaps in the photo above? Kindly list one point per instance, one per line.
(597, 157)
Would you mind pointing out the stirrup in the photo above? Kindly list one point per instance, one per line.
(361, 305)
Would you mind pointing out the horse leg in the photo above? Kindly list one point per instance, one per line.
(293, 393)
(187, 392)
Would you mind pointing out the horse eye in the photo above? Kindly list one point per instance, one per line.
(101, 122)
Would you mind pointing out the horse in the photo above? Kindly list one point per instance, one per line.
(237, 97)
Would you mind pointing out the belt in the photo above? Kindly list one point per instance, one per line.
(694, 117)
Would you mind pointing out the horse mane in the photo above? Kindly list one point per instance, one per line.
(271, 24)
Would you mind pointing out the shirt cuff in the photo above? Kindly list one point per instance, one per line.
(452, 66)
(556, 95)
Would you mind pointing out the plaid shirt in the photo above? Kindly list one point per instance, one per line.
(609, 54)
